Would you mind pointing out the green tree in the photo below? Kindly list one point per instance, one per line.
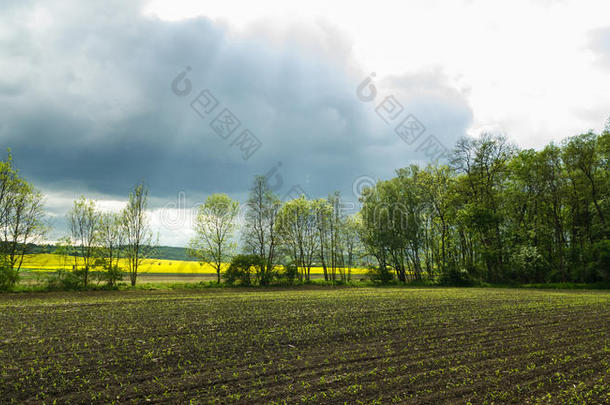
(351, 241)
(64, 249)
(241, 268)
(484, 164)
(296, 225)
(376, 232)
(84, 222)
(335, 226)
(438, 193)
(259, 234)
(21, 220)
(323, 212)
(139, 242)
(112, 244)
(214, 227)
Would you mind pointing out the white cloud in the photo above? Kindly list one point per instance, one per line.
(526, 67)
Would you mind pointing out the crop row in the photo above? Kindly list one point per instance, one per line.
(345, 345)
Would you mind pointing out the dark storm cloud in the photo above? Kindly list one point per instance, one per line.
(87, 106)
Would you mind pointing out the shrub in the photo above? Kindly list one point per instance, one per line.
(528, 264)
(112, 275)
(81, 274)
(64, 280)
(455, 275)
(380, 274)
(289, 273)
(240, 269)
(8, 276)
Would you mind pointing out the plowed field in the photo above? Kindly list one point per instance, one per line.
(352, 345)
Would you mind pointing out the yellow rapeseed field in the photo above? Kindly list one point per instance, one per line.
(53, 262)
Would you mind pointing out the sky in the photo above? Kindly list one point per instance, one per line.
(198, 97)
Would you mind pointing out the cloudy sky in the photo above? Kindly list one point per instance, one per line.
(320, 96)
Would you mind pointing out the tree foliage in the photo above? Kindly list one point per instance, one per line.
(214, 227)
(21, 220)
(496, 214)
(260, 232)
(139, 242)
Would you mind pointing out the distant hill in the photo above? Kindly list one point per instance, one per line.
(162, 252)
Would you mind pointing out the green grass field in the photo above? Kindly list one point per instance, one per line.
(307, 345)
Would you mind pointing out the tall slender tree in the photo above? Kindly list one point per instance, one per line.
(21, 220)
(84, 220)
(259, 234)
(112, 244)
(296, 227)
(214, 227)
(136, 228)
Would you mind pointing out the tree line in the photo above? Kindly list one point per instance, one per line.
(280, 240)
(494, 213)
(497, 214)
(97, 240)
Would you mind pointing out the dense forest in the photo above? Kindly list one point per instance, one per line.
(496, 213)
